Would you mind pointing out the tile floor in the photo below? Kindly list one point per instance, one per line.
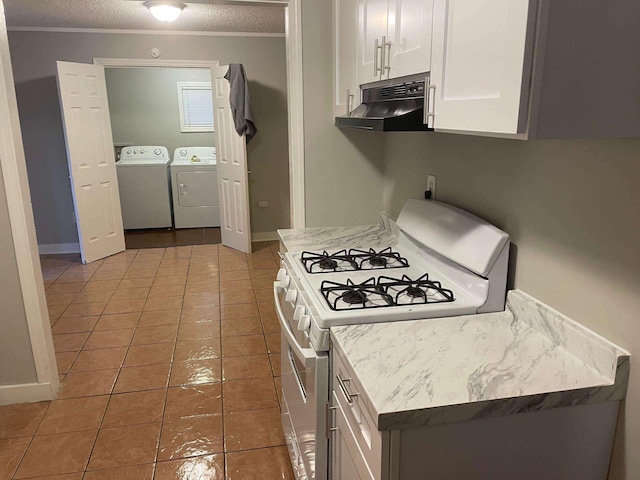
(169, 362)
(163, 237)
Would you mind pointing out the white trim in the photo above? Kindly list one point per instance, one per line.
(56, 248)
(23, 231)
(27, 392)
(196, 33)
(264, 236)
(293, 26)
(148, 62)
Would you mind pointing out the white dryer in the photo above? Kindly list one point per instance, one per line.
(144, 184)
(194, 184)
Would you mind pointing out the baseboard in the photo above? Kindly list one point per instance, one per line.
(264, 236)
(53, 248)
(25, 393)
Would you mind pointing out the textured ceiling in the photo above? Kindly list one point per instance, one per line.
(220, 16)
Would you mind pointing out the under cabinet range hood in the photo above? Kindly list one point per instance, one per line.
(390, 106)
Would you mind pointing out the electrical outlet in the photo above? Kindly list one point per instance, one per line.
(431, 186)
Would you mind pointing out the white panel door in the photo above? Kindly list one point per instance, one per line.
(233, 182)
(372, 29)
(410, 24)
(92, 168)
(481, 64)
(345, 50)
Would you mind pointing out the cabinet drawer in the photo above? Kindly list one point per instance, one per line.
(357, 411)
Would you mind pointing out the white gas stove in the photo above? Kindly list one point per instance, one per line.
(446, 262)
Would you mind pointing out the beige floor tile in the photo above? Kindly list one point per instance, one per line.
(167, 291)
(174, 262)
(73, 415)
(122, 446)
(60, 298)
(172, 272)
(101, 286)
(64, 360)
(198, 331)
(276, 364)
(124, 306)
(70, 287)
(274, 341)
(85, 384)
(200, 314)
(263, 283)
(57, 454)
(135, 408)
(21, 420)
(149, 354)
(163, 303)
(230, 286)
(231, 312)
(234, 275)
(207, 286)
(269, 273)
(74, 277)
(201, 300)
(278, 382)
(143, 377)
(252, 429)
(190, 437)
(136, 282)
(140, 272)
(249, 394)
(169, 280)
(11, 452)
(92, 296)
(250, 366)
(267, 308)
(109, 339)
(131, 293)
(75, 325)
(160, 317)
(159, 334)
(264, 294)
(84, 309)
(102, 359)
(241, 326)
(234, 298)
(197, 350)
(243, 345)
(134, 472)
(270, 323)
(117, 321)
(55, 311)
(195, 372)
(206, 467)
(69, 342)
(193, 400)
(259, 464)
(108, 275)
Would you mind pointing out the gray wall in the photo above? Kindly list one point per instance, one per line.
(16, 357)
(34, 55)
(143, 104)
(572, 210)
(343, 168)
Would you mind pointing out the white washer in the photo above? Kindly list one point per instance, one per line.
(194, 184)
(144, 184)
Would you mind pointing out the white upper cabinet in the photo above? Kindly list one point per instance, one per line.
(479, 76)
(535, 68)
(346, 89)
(394, 38)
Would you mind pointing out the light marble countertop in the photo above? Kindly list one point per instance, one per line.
(530, 357)
(382, 235)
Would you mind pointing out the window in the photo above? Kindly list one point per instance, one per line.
(196, 106)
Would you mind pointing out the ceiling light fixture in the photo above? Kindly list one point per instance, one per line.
(165, 11)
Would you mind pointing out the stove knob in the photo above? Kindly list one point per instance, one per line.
(283, 279)
(304, 323)
(298, 312)
(292, 294)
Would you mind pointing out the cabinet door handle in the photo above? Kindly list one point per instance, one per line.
(386, 55)
(330, 421)
(377, 68)
(343, 386)
(350, 98)
(430, 100)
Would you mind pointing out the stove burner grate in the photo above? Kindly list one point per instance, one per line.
(353, 260)
(384, 292)
(345, 296)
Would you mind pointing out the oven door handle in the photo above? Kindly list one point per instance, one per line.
(306, 355)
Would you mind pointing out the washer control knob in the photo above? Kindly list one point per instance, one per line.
(142, 151)
(291, 296)
(128, 152)
(135, 152)
(304, 323)
(157, 151)
(183, 153)
(299, 312)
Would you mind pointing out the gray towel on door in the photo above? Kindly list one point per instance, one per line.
(240, 101)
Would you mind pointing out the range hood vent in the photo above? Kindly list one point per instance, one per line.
(397, 106)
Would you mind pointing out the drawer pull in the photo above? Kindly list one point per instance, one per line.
(343, 386)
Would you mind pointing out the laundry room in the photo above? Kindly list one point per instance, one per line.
(162, 128)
